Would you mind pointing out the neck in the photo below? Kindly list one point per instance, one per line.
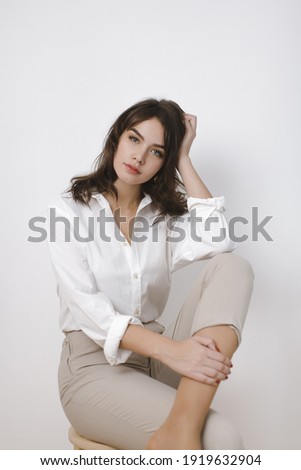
(129, 196)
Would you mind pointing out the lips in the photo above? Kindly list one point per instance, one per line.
(133, 168)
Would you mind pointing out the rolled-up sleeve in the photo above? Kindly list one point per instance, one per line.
(92, 310)
(201, 233)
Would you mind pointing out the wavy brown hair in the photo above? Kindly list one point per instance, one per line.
(165, 187)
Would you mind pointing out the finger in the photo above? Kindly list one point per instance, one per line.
(214, 351)
(205, 341)
(189, 116)
(218, 366)
(213, 347)
(213, 373)
(219, 357)
(208, 342)
(193, 122)
(190, 121)
(202, 378)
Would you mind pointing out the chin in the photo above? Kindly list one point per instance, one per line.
(129, 181)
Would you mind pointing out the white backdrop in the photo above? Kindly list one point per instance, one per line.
(68, 69)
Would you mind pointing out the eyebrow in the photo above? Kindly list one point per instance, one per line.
(141, 137)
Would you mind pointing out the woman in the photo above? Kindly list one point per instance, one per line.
(123, 380)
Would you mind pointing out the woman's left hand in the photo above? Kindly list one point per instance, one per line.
(190, 122)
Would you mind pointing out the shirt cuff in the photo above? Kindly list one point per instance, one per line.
(112, 352)
(216, 202)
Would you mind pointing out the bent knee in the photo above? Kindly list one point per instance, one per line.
(237, 263)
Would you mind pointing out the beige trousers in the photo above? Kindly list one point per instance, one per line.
(123, 405)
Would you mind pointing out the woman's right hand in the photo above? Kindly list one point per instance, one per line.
(198, 358)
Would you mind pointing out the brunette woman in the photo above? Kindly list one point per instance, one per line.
(120, 233)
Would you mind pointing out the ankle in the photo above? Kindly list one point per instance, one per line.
(183, 423)
(165, 438)
(186, 431)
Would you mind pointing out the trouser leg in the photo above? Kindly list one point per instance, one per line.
(119, 405)
(220, 296)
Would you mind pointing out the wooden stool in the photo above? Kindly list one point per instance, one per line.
(82, 443)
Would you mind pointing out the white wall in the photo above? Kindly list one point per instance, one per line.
(68, 68)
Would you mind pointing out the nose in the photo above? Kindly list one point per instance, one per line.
(138, 156)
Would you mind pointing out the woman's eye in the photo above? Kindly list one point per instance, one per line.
(157, 153)
(133, 139)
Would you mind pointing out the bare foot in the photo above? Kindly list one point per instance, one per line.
(167, 438)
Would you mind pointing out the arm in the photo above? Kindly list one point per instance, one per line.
(90, 309)
(205, 224)
(193, 183)
(196, 357)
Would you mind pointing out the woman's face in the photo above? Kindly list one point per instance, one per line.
(142, 148)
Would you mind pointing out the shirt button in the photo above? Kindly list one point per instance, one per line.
(138, 312)
(136, 275)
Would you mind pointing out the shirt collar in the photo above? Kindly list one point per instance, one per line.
(145, 201)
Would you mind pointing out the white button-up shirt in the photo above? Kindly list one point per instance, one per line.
(105, 283)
